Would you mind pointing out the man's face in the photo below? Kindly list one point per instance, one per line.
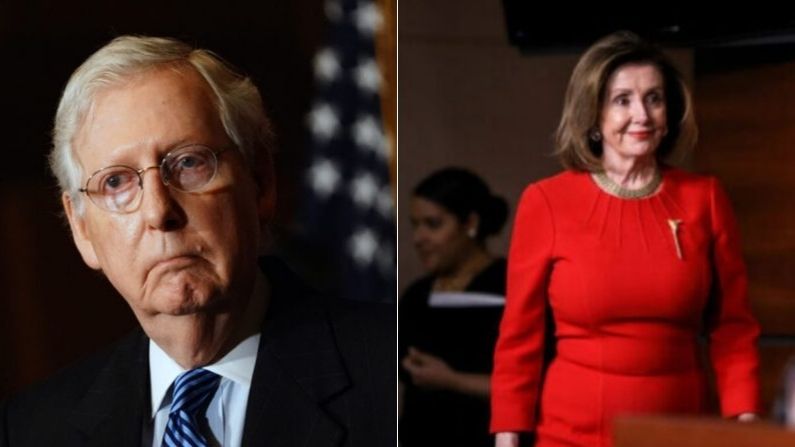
(178, 253)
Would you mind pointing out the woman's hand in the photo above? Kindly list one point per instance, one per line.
(428, 371)
(506, 439)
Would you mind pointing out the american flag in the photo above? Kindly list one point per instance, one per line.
(349, 208)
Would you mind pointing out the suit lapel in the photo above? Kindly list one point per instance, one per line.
(112, 411)
(298, 371)
(298, 374)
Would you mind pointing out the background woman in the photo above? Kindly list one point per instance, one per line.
(449, 318)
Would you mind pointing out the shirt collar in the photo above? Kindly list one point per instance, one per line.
(237, 365)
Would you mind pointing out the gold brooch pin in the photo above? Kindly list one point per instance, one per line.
(674, 224)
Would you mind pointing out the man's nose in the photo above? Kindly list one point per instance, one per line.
(159, 208)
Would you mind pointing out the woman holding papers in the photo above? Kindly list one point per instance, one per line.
(448, 319)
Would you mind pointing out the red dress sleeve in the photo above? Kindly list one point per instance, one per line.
(519, 354)
(732, 328)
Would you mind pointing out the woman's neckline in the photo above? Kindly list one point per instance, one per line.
(462, 282)
(604, 183)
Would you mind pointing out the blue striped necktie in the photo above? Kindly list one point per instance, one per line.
(192, 392)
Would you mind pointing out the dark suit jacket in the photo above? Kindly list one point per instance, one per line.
(324, 376)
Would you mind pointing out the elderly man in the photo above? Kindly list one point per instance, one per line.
(163, 156)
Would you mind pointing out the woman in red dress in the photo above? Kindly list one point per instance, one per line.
(635, 259)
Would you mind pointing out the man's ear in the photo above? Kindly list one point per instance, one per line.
(79, 233)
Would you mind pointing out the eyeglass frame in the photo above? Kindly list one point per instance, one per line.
(140, 172)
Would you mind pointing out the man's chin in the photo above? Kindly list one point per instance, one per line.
(184, 299)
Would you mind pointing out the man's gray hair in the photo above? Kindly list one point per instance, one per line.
(237, 99)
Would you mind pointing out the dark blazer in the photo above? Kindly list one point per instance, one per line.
(324, 376)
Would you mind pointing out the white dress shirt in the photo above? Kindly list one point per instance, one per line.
(226, 412)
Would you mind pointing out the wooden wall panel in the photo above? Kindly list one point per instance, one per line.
(746, 118)
(746, 115)
(54, 310)
(386, 48)
(658, 431)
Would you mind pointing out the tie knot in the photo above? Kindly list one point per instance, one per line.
(193, 390)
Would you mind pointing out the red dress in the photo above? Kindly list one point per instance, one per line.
(628, 308)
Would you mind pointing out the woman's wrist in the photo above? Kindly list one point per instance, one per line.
(506, 439)
(455, 381)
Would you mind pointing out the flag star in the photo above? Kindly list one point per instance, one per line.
(333, 9)
(367, 18)
(327, 65)
(368, 76)
(384, 202)
(364, 190)
(324, 177)
(363, 246)
(324, 122)
(368, 135)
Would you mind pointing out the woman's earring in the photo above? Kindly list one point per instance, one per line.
(595, 135)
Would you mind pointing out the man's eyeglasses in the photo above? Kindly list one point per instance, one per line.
(118, 188)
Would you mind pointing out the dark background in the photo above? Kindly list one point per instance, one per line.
(53, 309)
(674, 25)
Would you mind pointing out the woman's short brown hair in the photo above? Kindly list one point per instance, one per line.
(585, 95)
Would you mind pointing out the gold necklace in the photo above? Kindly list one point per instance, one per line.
(457, 284)
(609, 186)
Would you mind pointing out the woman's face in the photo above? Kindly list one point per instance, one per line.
(633, 115)
(440, 239)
